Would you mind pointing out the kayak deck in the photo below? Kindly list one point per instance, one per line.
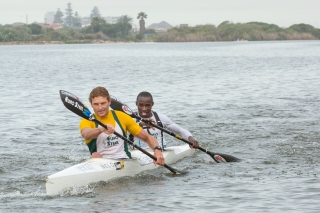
(102, 169)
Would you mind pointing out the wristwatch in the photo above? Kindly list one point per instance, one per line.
(157, 147)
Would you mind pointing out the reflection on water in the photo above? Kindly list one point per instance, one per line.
(258, 101)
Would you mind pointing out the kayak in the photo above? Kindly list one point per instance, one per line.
(103, 169)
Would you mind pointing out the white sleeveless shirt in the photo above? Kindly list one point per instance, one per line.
(111, 146)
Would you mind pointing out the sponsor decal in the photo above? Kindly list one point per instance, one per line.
(126, 109)
(145, 160)
(119, 165)
(69, 94)
(69, 101)
(73, 103)
(177, 150)
(113, 166)
(219, 158)
(78, 106)
(86, 168)
(109, 165)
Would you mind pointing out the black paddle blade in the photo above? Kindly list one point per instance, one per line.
(178, 173)
(117, 105)
(223, 158)
(74, 104)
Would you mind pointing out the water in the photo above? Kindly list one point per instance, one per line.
(258, 101)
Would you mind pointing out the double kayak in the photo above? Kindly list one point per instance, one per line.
(102, 169)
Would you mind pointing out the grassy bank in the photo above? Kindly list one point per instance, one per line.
(108, 33)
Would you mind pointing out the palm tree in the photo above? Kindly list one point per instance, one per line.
(142, 16)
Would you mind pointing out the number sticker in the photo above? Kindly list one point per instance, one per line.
(86, 168)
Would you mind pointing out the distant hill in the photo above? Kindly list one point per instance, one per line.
(162, 24)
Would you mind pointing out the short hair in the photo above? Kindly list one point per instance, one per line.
(99, 91)
(145, 94)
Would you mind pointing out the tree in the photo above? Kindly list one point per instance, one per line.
(35, 29)
(142, 16)
(97, 24)
(58, 17)
(95, 13)
(224, 23)
(125, 23)
(151, 31)
(122, 29)
(125, 19)
(305, 28)
(69, 19)
(77, 20)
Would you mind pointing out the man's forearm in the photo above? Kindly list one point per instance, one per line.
(152, 142)
(91, 133)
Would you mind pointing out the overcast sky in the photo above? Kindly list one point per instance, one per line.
(283, 13)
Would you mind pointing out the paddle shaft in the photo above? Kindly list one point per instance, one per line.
(137, 147)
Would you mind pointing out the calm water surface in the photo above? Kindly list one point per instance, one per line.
(258, 101)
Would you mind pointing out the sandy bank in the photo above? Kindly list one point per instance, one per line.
(60, 42)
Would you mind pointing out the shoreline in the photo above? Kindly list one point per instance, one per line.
(60, 42)
(11, 43)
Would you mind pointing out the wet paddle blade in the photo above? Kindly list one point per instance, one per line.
(117, 105)
(178, 173)
(223, 158)
(74, 104)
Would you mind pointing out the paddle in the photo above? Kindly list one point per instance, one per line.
(217, 157)
(74, 104)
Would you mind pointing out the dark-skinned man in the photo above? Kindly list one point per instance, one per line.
(145, 103)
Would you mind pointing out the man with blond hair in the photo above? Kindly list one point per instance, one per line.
(102, 143)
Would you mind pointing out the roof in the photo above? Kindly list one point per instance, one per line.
(52, 26)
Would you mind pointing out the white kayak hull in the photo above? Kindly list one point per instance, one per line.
(100, 169)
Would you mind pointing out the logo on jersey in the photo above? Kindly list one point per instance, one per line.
(111, 141)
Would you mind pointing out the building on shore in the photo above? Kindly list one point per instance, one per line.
(54, 26)
(111, 19)
(49, 17)
(86, 21)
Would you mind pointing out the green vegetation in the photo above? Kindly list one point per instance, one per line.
(100, 31)
(71, 31)
(252, 31)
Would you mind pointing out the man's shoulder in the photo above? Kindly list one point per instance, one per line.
(84, 123)
(161, 116)
(83, 120)
(122, 115)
